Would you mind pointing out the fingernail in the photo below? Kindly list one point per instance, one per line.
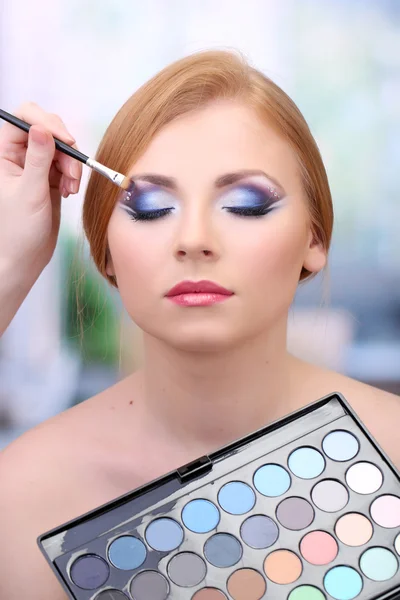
(74, 186)
(74, 170)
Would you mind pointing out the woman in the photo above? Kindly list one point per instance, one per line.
(229, 188)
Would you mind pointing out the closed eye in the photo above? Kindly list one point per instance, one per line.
(249, 200)
(147, 202)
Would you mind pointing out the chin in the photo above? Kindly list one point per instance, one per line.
(199, 337)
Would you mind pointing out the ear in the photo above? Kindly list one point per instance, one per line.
(316, 255)
(109, 265)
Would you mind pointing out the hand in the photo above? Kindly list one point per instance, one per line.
(33, 176)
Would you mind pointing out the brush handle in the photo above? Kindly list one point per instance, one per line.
(59, 144)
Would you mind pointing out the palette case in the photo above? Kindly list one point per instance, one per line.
(240, 522)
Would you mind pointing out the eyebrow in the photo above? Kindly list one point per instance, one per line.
(222, 181)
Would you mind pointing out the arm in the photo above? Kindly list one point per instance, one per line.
(33, 175)
(14, 287)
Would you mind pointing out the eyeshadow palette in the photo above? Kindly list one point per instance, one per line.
(307, 508)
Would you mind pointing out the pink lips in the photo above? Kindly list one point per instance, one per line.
(198, 293)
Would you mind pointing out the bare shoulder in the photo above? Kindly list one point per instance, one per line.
(378, 410)
(32, 489)
(46, 481)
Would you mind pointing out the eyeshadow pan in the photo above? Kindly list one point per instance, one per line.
(111, 595)
(364, 478)
(295, 513)
(127, 552)
(89, 572)
(343, 583)
(200, 516)
(397, 543)
(330, 495)
(149, 584)
(378, 564)
(306, 592)
(272, 480)
(223, 550)
(385, 511)
(318, 548)
(306, 463)
(354, 529)
(164, 534)
(283, 566)
(246, 584)
(187, 569)
(259, 531)
(340, 445)
(209, 594)
(236, 498)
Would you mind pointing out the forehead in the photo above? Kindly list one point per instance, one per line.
(220, 138)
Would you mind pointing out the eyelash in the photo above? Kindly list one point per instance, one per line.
(163, 212)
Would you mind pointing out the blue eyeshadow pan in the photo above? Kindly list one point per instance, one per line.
(127, 552)
(164, 534)
(306, 463)
(236, 498)
(223, 550)
(343, 583)
(89, 572)
(272, 480)
(340, 445)
(200, 516)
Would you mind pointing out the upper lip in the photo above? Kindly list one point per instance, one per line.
(192, 287)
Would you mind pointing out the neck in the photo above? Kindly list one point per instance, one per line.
(206, 400)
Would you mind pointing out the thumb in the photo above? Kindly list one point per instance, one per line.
(39, 156)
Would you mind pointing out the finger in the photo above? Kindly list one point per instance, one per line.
(70, 166)
(64, 187)
(12, 137)
(55, 177)
(38, 160)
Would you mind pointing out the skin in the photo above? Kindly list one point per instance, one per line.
(211, 374)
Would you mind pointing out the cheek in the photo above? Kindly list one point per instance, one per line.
(136, 260)
(274, 251)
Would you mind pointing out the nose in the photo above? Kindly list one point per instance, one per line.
(196, 239)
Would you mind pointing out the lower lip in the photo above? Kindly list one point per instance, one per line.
(198, 299)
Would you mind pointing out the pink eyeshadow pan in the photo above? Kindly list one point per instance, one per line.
(319, 548)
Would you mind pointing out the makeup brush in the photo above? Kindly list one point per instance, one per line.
(121, 180)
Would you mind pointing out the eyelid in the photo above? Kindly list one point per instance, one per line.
(258, 182)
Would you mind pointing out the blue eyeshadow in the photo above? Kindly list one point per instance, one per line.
(127, 552)
(259, 531)
(236, 498)
(89, 572)
(223, 550)
(200, 516)
(343, 583)
(306, 463)
(164, 534)
(340, 445)
(272, 480)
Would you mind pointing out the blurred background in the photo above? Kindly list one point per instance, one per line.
(338, 60)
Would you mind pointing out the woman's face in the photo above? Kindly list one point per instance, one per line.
(223, 202)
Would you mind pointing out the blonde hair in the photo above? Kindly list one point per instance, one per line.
(187, 85)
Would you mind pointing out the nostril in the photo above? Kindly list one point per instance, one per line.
(207, 252)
